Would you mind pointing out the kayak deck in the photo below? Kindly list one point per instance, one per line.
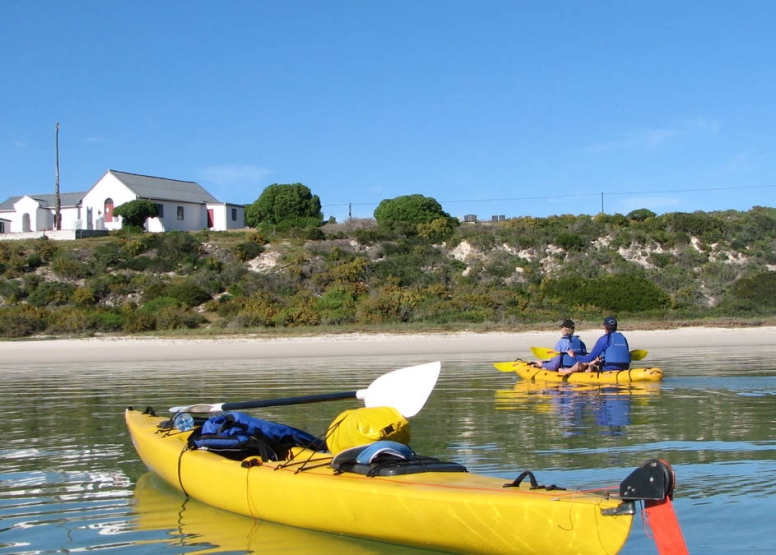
(527, 371)
(458, 512)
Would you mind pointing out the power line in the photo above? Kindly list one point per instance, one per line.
(579, 195)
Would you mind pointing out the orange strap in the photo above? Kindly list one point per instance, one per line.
(661, 520)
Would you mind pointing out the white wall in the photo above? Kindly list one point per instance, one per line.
(108, 187)
(222, 216)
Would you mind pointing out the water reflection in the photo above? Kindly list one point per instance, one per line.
(579, 408)
(184, 525)
(68, 469)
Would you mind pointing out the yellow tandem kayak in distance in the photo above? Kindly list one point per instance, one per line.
(527, 371)
(382, 490)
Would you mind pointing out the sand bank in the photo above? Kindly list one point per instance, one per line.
(496, 345)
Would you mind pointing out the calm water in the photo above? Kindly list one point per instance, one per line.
(71, 481)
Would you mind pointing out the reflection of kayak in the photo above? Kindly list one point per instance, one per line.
(604, 408)
(203, 529)
(528, 372)
(524, 389)
(451, 511)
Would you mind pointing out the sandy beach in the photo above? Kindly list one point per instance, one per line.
(509, 345)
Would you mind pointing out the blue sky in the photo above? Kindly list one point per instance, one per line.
(490, 107)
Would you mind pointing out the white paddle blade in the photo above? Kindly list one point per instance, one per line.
(405, 389)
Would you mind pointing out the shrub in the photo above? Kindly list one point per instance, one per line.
(135, 213)
(138, 321)
(21, 321)
(159, 303)
(406, 212)
(66, 265)
(187, 293)
(84, 297)
(174, 318)
(640, 214)
(67, 320)
(569, 241)
(10, 289)
(758, 289)
(617, 293)
(336, 306)
(51, 293)
(105, 321)
(289, 204)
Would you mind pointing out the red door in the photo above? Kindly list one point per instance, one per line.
(108, 210)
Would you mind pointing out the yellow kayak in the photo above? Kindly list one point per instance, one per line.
(199, 529)
(431, 506)
(527, 371)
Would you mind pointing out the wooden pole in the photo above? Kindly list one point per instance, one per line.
(57, 213)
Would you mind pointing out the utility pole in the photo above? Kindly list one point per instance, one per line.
(57, 213)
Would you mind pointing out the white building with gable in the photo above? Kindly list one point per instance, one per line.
(182, 205)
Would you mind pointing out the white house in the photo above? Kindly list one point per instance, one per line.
(183, 206)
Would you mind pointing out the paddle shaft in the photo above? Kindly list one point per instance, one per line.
(289, 401)
(405, 389)
(544, 353)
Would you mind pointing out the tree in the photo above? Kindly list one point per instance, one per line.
(292, 205)
(135, 213)
(640, 214)
(407, 212)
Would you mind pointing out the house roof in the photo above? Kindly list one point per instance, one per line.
(46, 201)
(159, 188)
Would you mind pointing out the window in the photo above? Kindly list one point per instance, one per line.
(160, 211)
(180, 212)
(234, 214)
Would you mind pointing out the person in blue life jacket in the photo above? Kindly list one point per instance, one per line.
(610, 352)
(567, 344)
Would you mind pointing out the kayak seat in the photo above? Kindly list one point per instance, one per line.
(389, 458)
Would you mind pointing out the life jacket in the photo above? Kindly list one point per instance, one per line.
(237, 435)
(617, 352)
(579, 348)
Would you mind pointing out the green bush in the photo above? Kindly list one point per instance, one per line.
(758, 289)
(247, 250)
(406, 212)
(66, 265)
(68, 320)
(616, 293)
(187, 293)
(138, 321)
(174, 318)
(11, 289)
(105, 321)
(21, 321)
(51, 293)
(336, 306)
(290, 204)
(157, 304)
(569, 241)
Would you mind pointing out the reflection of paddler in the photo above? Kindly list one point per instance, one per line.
(202, 529)
(609, 404)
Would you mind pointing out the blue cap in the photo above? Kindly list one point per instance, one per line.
(610, 322)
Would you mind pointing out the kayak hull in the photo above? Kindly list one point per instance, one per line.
(458, 512)
(528, 372)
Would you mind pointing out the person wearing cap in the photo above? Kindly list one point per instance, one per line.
(611, 351)
(568, 343)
